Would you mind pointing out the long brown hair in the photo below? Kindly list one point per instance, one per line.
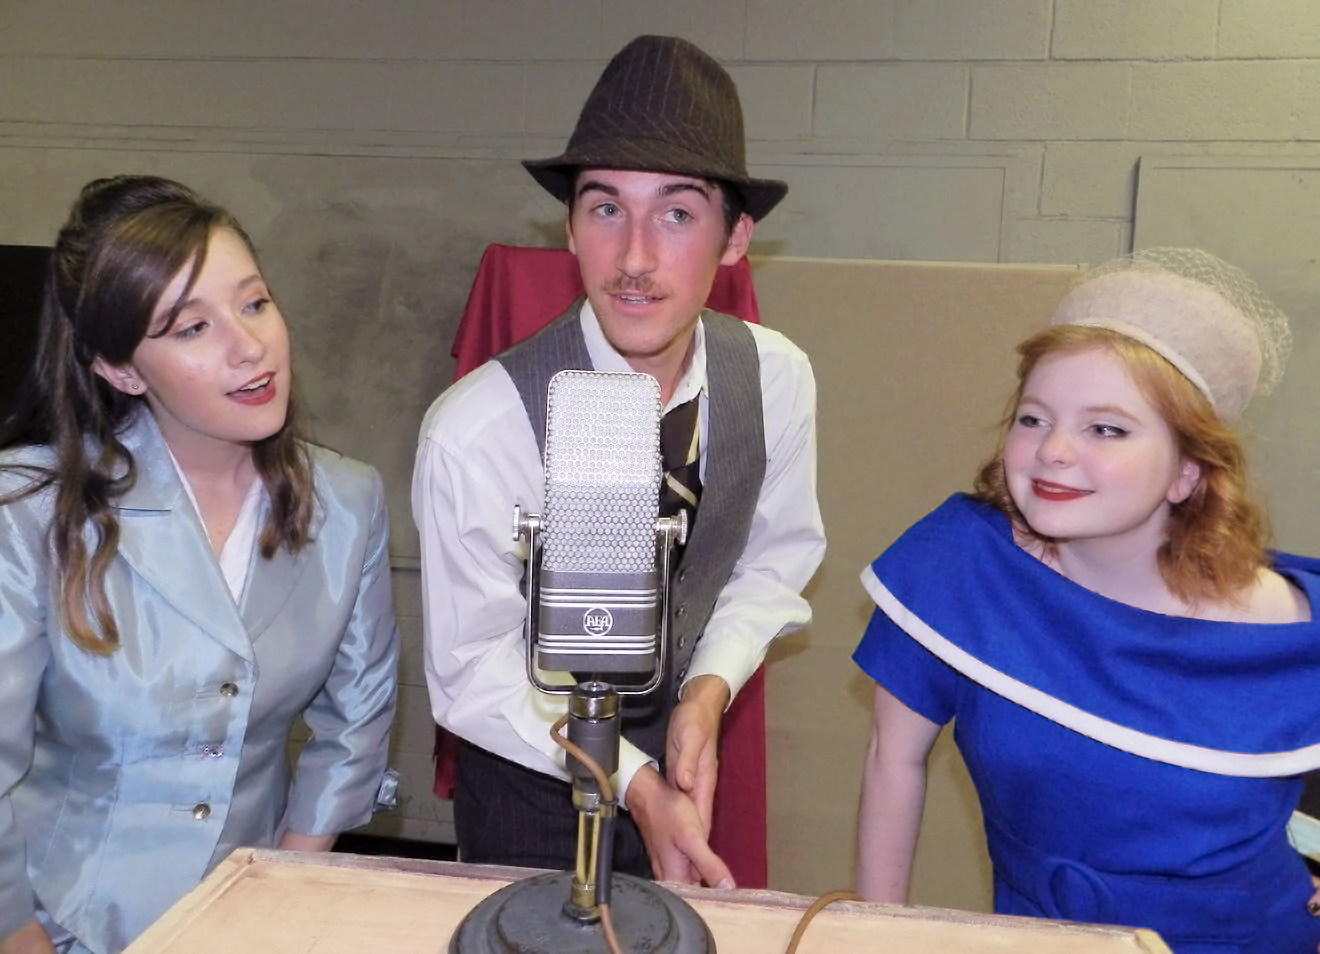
(125, 239)
(1216, 538)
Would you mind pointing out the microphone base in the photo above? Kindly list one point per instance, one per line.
(528, 917)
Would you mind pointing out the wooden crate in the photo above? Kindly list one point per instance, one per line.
(288, 903)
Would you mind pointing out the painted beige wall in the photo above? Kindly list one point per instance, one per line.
(372, 149)
(913, 362)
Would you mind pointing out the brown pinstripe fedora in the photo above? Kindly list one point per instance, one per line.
(661, 105)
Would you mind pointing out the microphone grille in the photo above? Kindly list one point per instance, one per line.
(602, 470)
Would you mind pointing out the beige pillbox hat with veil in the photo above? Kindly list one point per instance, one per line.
(1204, 316)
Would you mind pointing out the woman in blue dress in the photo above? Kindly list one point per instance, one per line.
(182, 576)
(1133, 677)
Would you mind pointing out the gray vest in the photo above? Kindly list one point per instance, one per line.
(735, 470)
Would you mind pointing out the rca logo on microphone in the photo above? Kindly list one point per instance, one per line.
(597, 621)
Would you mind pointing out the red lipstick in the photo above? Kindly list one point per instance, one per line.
(1056, 492)
(256, 396)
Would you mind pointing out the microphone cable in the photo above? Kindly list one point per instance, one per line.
(820, 904)
(607, 795)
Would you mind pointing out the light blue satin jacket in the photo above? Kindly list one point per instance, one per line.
(127, 777)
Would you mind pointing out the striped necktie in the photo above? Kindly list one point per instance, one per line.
(681, 487)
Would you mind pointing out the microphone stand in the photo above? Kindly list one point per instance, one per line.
(561, 912)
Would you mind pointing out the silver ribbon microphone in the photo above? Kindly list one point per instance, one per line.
(597, 587)
(597, 609)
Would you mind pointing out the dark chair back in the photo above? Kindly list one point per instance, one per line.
(22, 271)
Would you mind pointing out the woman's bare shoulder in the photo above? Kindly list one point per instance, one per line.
(1272, 598)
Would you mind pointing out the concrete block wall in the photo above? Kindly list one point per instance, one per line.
(1054, 100)
(957, 130)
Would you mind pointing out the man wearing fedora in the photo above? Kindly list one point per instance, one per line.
(658, 197)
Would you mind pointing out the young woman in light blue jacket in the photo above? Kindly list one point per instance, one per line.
(182, 575)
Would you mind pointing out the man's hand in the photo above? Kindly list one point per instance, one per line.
(31, 938)
(692, 743)
(673, 832)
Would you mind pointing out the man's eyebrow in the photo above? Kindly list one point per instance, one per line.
(675, 187)
(595, 185)
(668, 189)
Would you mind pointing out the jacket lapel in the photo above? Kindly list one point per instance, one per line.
(161, 537)
(270, 583)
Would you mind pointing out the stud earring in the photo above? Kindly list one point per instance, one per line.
(135, 386)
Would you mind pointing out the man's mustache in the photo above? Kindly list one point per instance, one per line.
(625, 284)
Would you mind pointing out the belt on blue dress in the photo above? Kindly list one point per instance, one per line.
(1225, 906)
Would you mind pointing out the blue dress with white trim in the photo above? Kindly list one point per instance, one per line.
(1132, 768)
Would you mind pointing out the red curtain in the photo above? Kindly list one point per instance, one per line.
(517, 292)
